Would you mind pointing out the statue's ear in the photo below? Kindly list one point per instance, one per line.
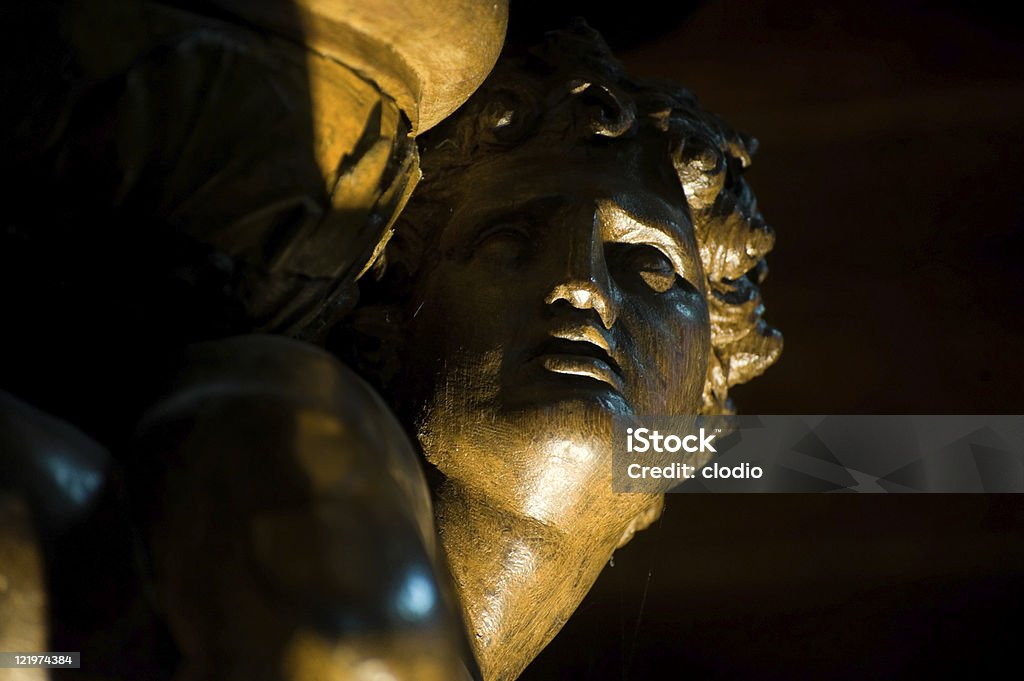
(370, 341)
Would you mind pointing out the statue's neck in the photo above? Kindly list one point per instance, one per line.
(519, 579)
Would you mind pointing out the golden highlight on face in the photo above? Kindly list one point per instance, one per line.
(573, 279)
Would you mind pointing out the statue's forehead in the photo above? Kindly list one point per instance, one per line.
(582, 170)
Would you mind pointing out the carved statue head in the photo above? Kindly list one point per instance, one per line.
(582, 246)
(568, 119)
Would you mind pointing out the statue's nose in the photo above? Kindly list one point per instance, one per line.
(585, 295)
(585, 283)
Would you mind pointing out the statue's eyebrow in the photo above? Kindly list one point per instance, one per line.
(622, 226)
(478, 217)
(530, 206)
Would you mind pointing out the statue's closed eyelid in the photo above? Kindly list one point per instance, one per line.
(643, 256)
(662, 233)
(515, 228)
(509, 241)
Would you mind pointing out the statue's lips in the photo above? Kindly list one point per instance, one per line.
(579, 358)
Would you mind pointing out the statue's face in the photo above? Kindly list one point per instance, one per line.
(567, 289)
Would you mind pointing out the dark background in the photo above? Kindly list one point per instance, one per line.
(890, 164)
(890, 167)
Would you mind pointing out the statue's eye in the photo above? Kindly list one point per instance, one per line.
(503, 244)
(648, 263)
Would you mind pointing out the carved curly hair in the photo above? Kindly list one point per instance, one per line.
(572, 87)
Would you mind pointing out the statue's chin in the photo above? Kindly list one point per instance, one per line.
(526, 515)
(548, 461)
